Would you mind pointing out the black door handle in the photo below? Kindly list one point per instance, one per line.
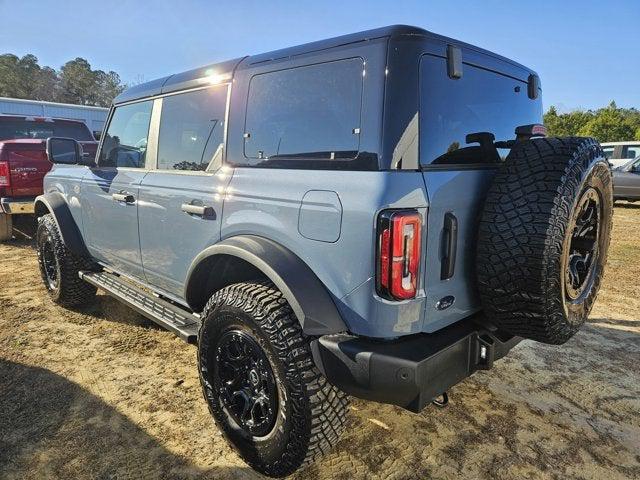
(450, 246)
(123, 197)
(200, 210)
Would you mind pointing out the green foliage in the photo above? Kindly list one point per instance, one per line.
(75, 83)
(608, 124)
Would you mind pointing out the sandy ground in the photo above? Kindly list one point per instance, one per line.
(103, 393)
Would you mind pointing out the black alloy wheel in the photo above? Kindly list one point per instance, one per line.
(245, 382)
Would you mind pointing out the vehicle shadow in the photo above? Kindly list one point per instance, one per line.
(51, 427)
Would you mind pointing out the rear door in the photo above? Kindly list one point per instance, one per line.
(180, 202)
(110, 190)
(457, 171)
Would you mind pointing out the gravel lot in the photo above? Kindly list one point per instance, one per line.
(103, 393)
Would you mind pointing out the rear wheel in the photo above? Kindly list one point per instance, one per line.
(6, 227)
(59, 267)
(544, 237)
(263, 389)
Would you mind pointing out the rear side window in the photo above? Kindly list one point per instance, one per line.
(631, 151)
(13, 128)
(482, 101)
(125, 143)
(310, 112)
(192, 129)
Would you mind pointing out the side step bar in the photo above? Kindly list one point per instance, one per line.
(181, 322)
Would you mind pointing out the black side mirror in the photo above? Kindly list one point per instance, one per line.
(65, 151)
(97, 134)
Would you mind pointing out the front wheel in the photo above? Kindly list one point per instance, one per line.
(262, 387)
(59, 267)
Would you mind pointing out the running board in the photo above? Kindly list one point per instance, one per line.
(181, 322)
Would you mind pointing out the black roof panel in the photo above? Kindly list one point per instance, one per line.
(222, 70)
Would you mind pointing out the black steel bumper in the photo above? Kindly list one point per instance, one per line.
(411, 371)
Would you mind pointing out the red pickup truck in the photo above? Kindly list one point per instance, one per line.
(24, 163)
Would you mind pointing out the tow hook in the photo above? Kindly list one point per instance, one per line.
(442, 401)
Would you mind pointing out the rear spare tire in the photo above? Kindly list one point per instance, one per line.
(544, 236)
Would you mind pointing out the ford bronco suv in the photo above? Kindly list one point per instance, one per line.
(23, 162)
(377, 215)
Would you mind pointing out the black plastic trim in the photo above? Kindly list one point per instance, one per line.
(307, 295)
(450, 246)
(56, 204)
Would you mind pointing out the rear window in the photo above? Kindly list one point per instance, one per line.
(192, 129)
(310, 112)
(17, 128)
(482, 101)
(631, 151)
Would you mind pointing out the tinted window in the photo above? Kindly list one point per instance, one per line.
(480, 101)
(307, 112)
(11, 128)
(125, 143)
(608, 152)
(192, 129)
(631, 151)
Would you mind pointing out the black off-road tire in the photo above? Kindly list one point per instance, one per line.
(6, 227)
(59, 267)
(311, 413)
(532, 237)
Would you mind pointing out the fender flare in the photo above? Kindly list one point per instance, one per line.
(308, 297)
(55, 204)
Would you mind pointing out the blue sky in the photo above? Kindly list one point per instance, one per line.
(587, 52)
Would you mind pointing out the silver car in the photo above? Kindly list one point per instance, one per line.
(626, 181)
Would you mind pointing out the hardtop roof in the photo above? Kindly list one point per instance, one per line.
(224, 70)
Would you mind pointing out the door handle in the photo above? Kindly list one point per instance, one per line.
(123, 197)
(450, 232)
(200, 210)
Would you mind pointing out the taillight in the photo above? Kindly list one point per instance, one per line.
(398, 254)
(5, 175)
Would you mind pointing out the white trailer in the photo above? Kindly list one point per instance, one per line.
(93, 117)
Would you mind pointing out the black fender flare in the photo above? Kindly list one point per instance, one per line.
(55, 204)
(308, 297)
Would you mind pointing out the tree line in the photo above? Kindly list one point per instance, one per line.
(75, 82)
(608, 124)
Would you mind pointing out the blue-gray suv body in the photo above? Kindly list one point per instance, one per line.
(324, 219)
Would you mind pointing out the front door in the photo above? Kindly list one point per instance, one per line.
(110, 190)
(180, 203)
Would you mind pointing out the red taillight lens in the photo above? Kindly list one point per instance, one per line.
(5, 175)
(398, 259)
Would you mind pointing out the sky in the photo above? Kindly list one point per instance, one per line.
(587, 52)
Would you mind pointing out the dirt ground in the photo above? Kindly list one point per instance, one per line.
(103, 393)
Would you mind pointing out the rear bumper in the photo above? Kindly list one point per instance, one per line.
(17, 206)
(409, 372)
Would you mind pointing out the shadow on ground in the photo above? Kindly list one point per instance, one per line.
(53, 428)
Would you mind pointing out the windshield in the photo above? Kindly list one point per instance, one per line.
(16, 128)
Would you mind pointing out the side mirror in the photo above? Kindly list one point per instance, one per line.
(65, 151)
(97, 134)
